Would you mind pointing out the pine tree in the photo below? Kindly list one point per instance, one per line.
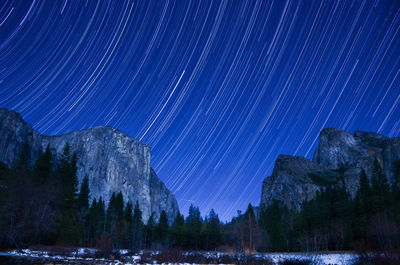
(21, 170)
(115, 214)
(92, 223)
(149, 232)
(70, 227)
(23, 161)
(193, 225)
(161, 231)
(213, 231)
(101, 216)
(251, 226)
(111, 213)
(115, 211)
(363, 204)
(66, 172)
(120, 206)
(128, 212)
(178, 231)
(272, 224)
(128, 225)
(82, 204)
(298, 232)
(137, 228)
(42, 168)
(83, 196)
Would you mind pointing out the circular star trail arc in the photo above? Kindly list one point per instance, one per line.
(217, 88)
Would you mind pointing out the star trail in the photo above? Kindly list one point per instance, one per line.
(218, 89)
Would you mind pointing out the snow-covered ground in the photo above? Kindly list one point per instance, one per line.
(317, 258)
(124, 257)
(80, 254)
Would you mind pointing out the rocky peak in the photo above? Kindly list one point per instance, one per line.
(337, 149)
(339, 157)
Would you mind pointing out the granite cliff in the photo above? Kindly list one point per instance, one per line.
(339, 159)
(112, 160)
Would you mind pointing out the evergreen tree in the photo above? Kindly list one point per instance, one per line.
(23, 161)
(66, 172)
(83, 196)
(128, 225)
(213, 231)
(250, 226)
(115, 214)
(363, 204)
(149, 232)
(340, 232)
(70, 227)
(42, 168)
(128, 212)
(298, 232)
(137, 228)
(95, 225)
(111, 216)
(162, 229)
(101, 216)
(119, 209)
(21, 171)
(82, 204)
(178, 231)
(271, 222)
(193, 227)
(92, 223)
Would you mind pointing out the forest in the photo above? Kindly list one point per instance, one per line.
(44, 204)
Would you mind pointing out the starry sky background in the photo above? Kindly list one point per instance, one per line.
(217, 88)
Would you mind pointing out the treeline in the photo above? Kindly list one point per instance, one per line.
(42, 204)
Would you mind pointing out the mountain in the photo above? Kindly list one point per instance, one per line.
(112, 160)
(339, 159)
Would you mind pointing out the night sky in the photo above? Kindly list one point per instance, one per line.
(217, 88)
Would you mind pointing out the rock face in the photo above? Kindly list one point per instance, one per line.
(113, 161)
(339, 159)
(290, 182)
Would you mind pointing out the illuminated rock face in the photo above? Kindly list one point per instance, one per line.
(339, 159)
(113, 161)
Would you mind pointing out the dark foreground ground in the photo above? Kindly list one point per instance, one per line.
(91, 257)
(38, 261)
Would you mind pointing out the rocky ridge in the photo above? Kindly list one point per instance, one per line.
(112, 160)
(339, 159)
